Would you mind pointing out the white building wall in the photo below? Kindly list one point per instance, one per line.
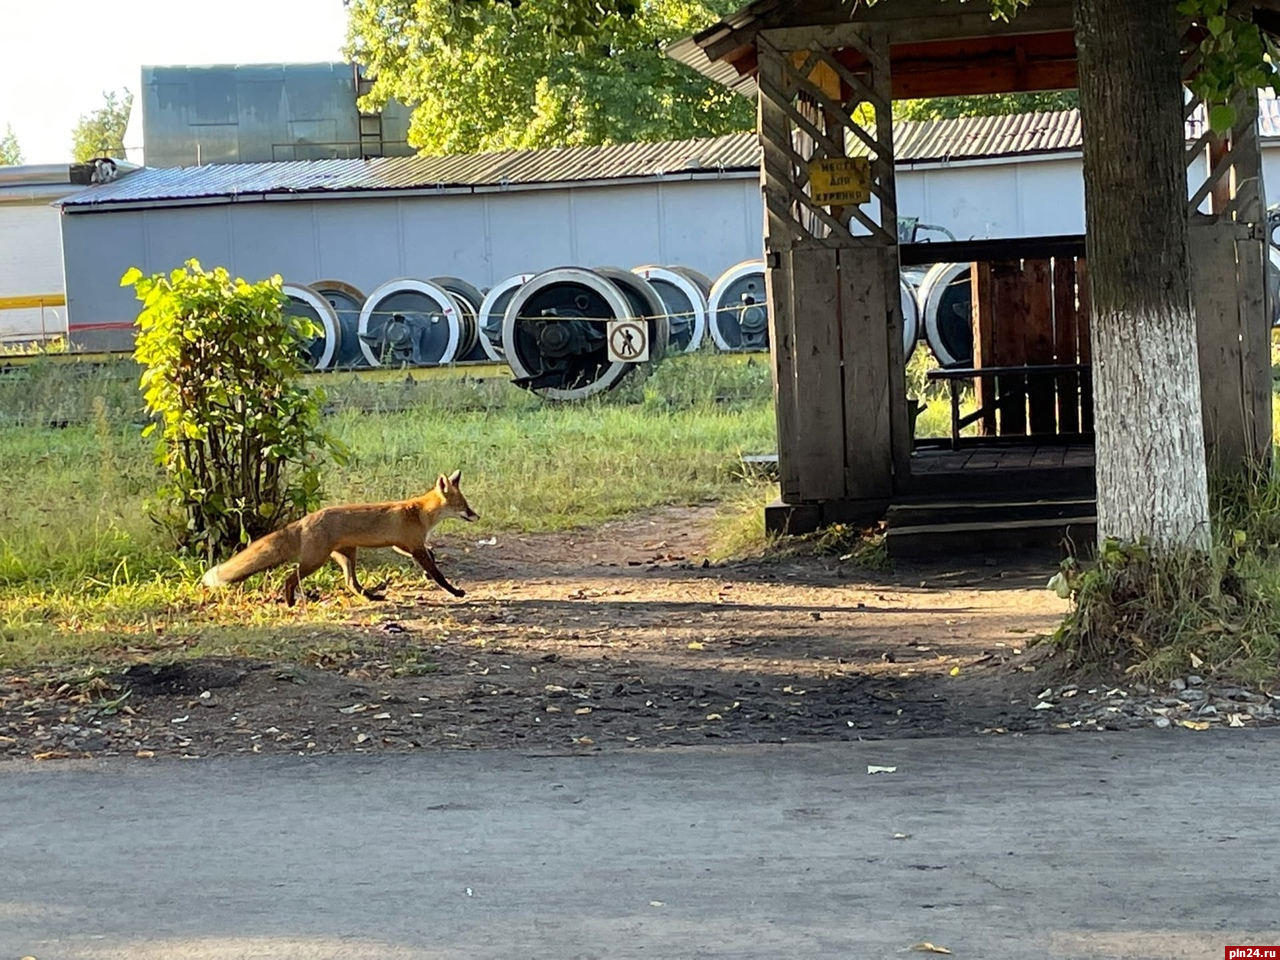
(30, 265)
(984, 200)
(483, 238)
(1271, 172)
(1018, 197)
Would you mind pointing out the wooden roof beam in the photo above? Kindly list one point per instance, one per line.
(973, 79)
(977, 65)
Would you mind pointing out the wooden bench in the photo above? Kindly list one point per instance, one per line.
(1011, 387)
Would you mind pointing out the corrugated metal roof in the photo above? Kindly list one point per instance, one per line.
(917, 141)
(512, 167)
(1026, 134)
(971, 138)
(40, 183)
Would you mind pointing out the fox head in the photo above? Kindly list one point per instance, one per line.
(454, 501)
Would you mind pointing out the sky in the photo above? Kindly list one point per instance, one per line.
(60, 55)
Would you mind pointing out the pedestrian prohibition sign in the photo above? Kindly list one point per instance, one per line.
(628, 341)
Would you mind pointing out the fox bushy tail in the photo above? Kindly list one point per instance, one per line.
(265, 552)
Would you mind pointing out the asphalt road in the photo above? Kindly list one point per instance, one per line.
(1152, 845)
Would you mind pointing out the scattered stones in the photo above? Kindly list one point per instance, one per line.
(1192, 697)
(1235, 693)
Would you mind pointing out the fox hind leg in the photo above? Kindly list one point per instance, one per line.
(307, 565)
(346, 559)
(293, 587)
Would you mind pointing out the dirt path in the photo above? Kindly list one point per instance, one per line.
(612, 637)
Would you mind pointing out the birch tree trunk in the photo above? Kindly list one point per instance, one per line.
(1152, 480)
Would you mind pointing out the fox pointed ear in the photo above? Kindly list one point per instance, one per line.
(455, 478)
(442, 484)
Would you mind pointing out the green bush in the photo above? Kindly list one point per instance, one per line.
(239, 436)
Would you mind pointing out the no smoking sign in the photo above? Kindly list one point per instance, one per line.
(628, 341)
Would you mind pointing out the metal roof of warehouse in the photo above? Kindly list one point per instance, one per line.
(980, 138)
(511, 168)
(928, 141)
(1027, 134)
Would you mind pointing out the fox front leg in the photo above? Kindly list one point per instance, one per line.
(427, 561)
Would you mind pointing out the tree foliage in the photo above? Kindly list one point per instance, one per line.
(1235, 54)
(493, 74)
(500, 75)
(239, 436)
(988, 105)
(100, 133)
(10, 150)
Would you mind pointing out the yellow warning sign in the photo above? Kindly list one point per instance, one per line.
(840, 181)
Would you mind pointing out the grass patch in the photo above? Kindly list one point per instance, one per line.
(862, 546)
(1157, 618)
(739, 533)
(45, 393)
(934, 397)
(738, 530)
(34, 348)
(85, 575)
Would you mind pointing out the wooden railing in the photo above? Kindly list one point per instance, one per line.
(1007, 391)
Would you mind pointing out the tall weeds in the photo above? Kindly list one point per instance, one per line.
(1216, 613)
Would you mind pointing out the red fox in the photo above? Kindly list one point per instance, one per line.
(337, 532)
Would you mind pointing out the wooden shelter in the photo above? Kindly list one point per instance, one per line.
(826, 73)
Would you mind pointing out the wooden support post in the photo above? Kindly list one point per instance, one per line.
(835, 324)
(1249, 204)
(1216, 298)
(1233, 323)
(777, 277)
(869, 340)
(1235, 371)
(820, 424)
(778, 236)
(901, 432)
(1220, 191)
